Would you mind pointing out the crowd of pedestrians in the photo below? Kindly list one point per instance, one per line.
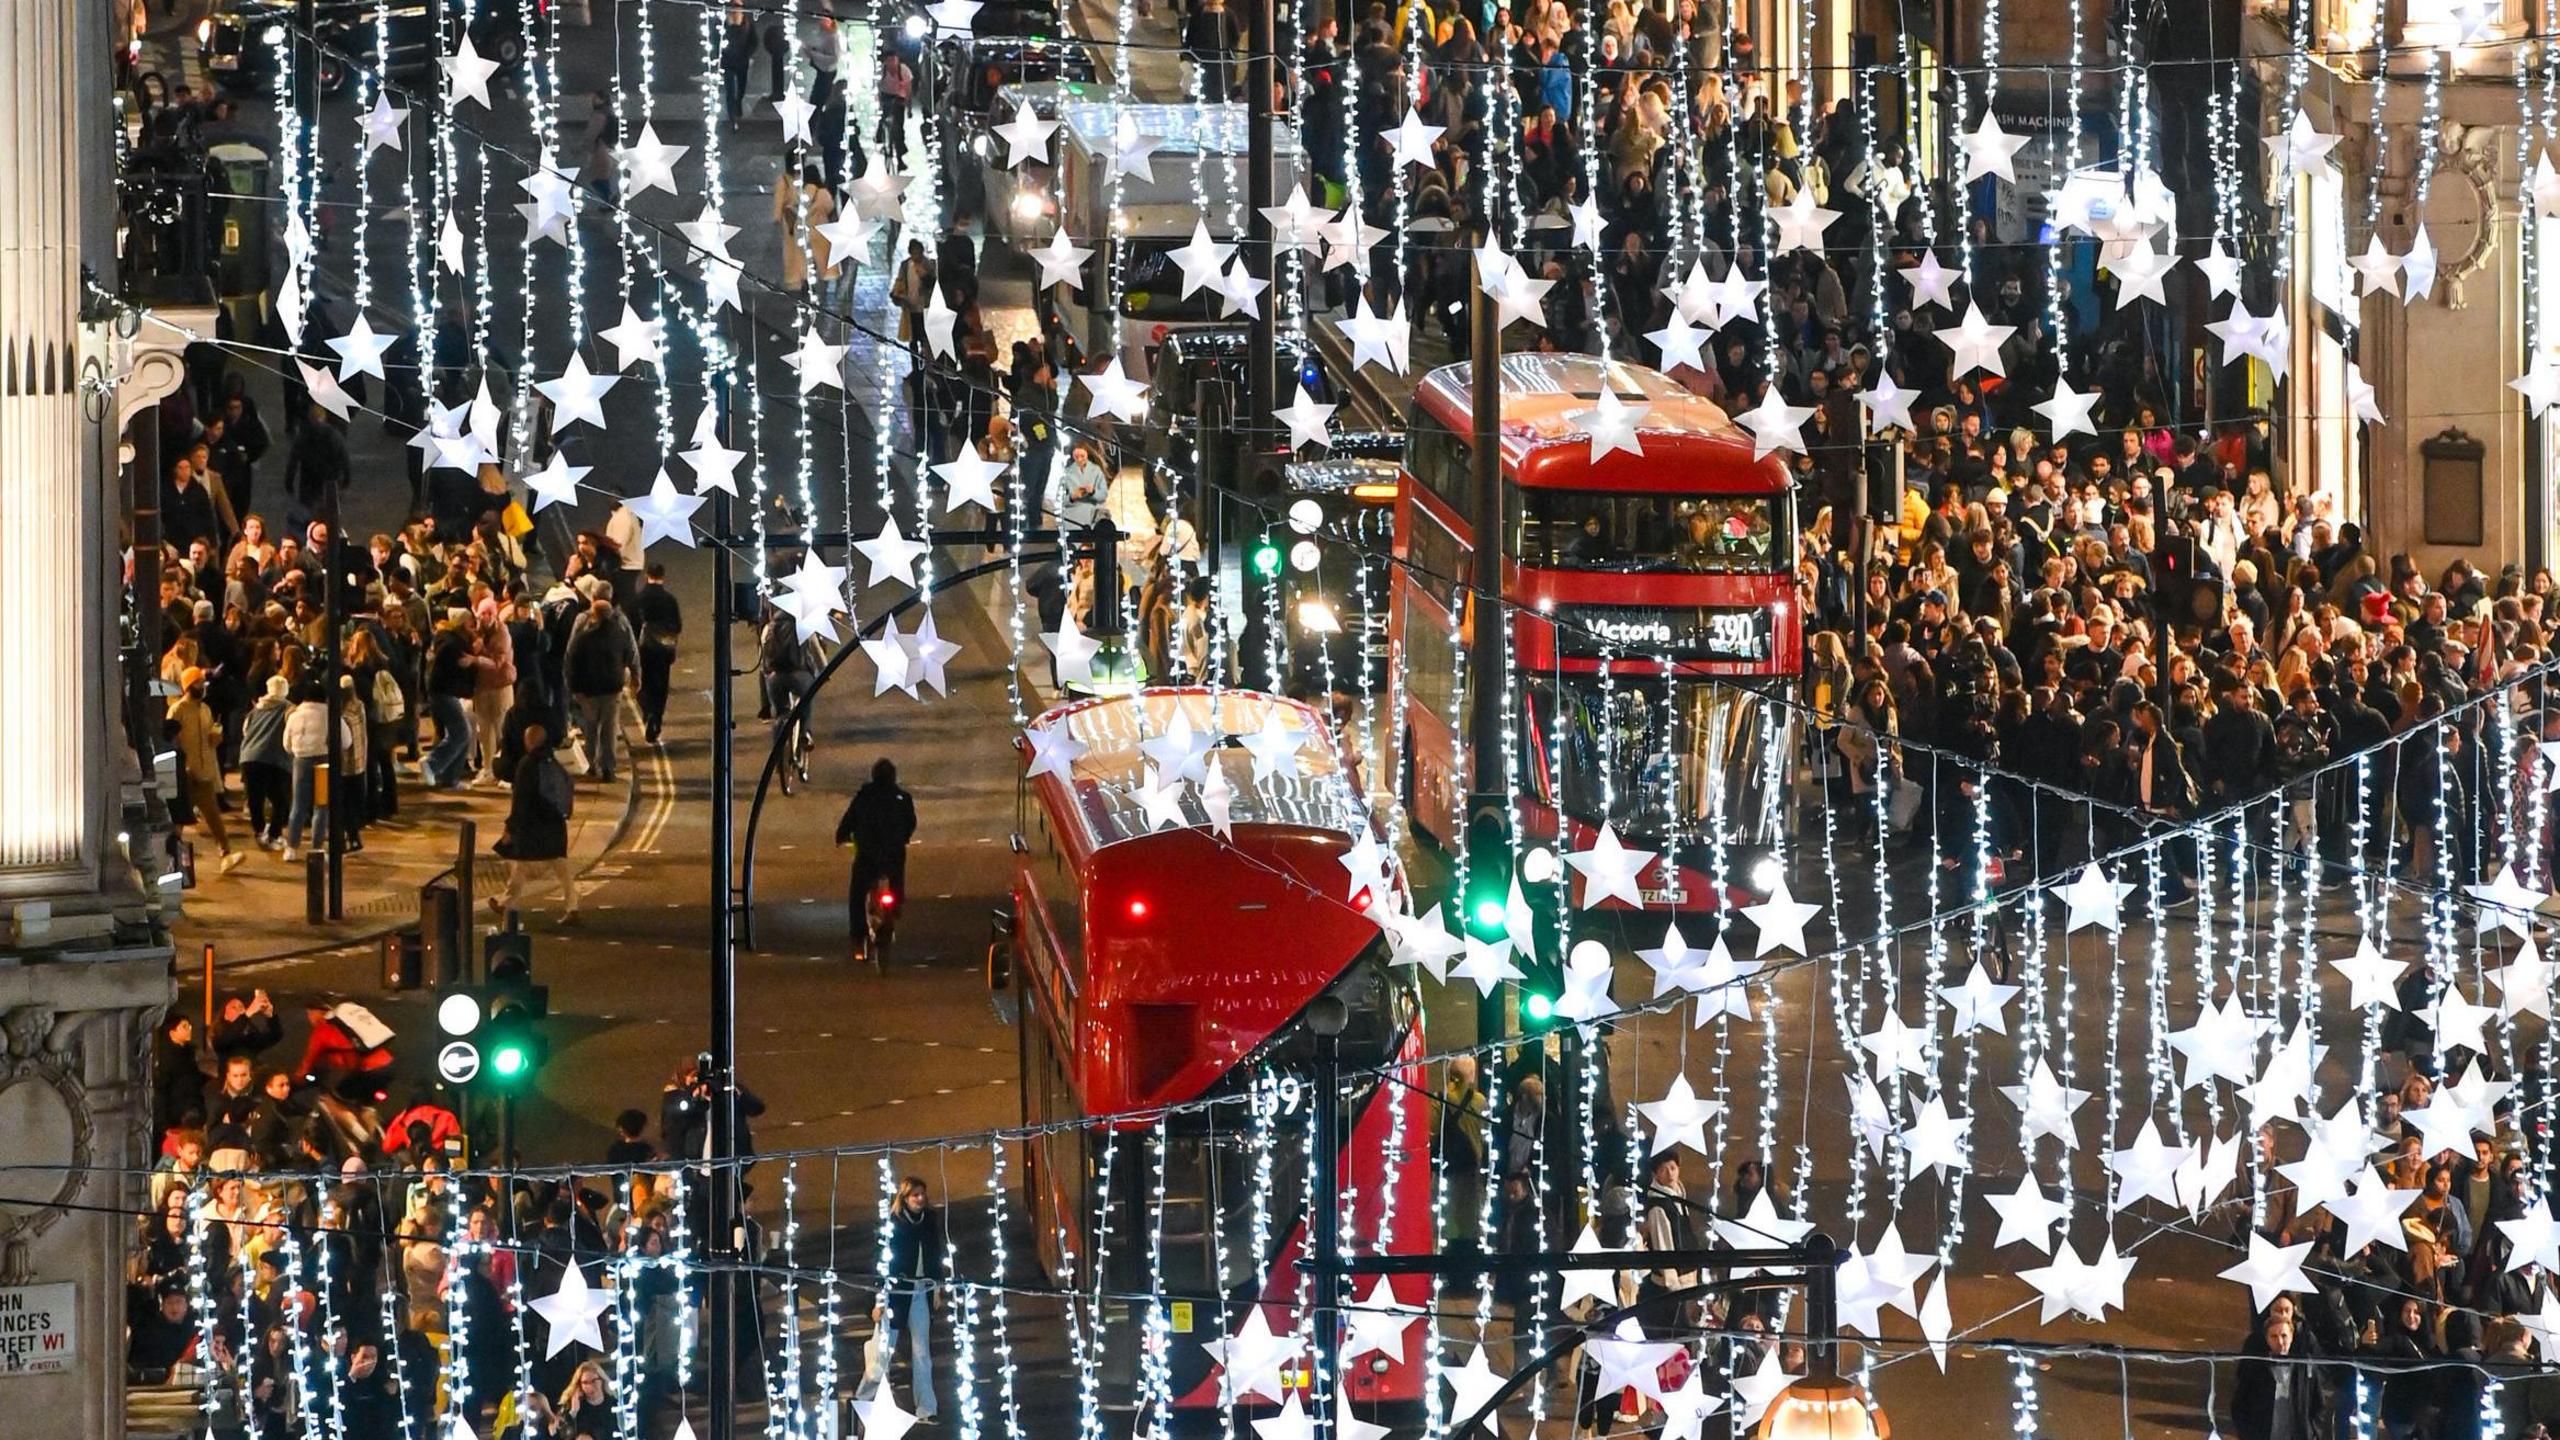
(354, 1279)
(461, 646)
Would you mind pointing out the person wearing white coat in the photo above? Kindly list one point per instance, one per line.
(306, 739)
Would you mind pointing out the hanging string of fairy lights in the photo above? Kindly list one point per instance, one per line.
(541, 92)
(293, 300)
(2058, 309)
(1155, 1394)
(1586, 90)
(965, 1323)
(2297, 70)
(1123, 95)
(1398, 172)
(1960, 116)
(1688, 202)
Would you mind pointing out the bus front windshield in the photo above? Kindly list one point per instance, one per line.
(1617, 531)
(1659, 760)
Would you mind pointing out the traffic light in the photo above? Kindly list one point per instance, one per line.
(514, 1045)
(1265, 559)
(494, 1031)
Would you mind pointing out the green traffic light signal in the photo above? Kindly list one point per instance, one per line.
(1538, 1006)
(1266, 559)
(1489, 862)
(508, 1061)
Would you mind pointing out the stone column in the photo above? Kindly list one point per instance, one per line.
(56, 538)
(84, 950)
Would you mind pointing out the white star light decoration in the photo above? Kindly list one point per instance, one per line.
(2298, 150)
(1061, 261)
(1680, 1118)
(467, 74)
(1516, 294)
(649, 163)
(665, 513)
(1612, 423)
(1801, 222)
(969, 479)
(1054, 751)
(1887, 405)
(1310, 424)
(1976, 343)
(1073, 650)
(382, 125)
(891, 555)
(637, 340)
(1412, 140)
(1781, 920)
(1026, 137)
(1111, 393)
(1774, 424)
(1931, 282)
(360, 351)
(1609, 870)
(812, 596)
(1990, 150)
(1251, 1361)
(714, 465)
(577, 395)
(1382, 340)
(570, 1312)
(556, 483)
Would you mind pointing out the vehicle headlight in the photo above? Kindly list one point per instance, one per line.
(1027, 205)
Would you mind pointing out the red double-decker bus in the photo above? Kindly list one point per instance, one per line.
(1158, 964)
(1652, 603)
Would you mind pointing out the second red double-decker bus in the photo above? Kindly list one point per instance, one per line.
(1162, 964)
(1651, 600)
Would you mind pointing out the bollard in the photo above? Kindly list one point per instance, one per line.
(315, 885)
(466, 863)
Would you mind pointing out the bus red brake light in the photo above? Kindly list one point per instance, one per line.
(1137, 909)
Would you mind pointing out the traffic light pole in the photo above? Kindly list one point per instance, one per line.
(335, 794)
(723, 1222)
(1262, 350)
(1489, 780)
(1326, 1222)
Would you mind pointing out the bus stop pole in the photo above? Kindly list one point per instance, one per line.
(1488, 798)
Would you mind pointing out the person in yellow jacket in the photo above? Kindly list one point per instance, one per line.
(1915, 518)
(196, 732)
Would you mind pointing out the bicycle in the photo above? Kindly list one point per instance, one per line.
(795, 758)
(879, 924)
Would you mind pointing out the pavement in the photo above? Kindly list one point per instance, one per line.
(260, 910)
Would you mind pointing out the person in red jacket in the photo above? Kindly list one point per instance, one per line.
(440, 1125)
(338, 1059)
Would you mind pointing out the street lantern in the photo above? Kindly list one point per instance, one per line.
(1823, 1406)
